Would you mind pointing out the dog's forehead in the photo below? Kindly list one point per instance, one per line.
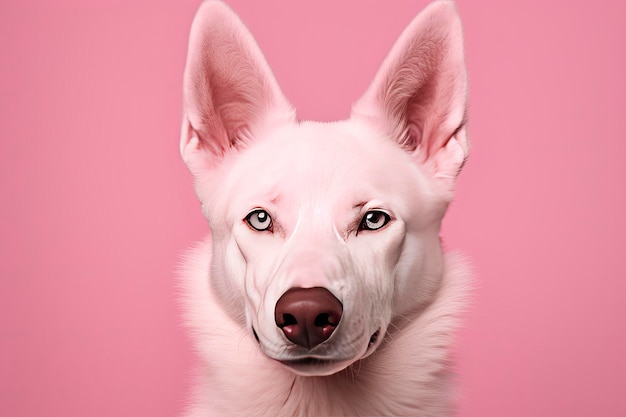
(319, 156)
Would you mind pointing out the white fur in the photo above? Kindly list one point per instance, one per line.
(399, 153)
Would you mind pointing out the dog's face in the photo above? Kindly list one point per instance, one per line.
(324, 205)
(323, 233)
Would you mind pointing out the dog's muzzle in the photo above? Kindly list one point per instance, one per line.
(307, 318)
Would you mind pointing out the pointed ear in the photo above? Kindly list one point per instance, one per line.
(228, 88)
(418, 96)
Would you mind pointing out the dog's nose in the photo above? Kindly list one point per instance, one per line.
(308, 316)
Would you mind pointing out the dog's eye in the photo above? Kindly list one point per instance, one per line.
(259, 220)
(374, 220)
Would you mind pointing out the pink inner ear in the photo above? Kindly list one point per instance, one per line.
(419, 94)
(228, 86)
(412, 138)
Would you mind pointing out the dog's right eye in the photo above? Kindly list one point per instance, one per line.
(259, 220)
(374, 220)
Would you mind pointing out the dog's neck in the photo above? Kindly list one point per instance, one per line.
(409, 374)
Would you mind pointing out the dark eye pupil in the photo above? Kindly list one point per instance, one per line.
(259, 220)
(374, 220)
(373, 217)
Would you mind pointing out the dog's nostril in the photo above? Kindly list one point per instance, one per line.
(322, 320)
(325, 319)
(288, 320)
(256, 336)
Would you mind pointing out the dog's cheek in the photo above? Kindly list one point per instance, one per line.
(373, 283)
(227, 278)
(418, 272)
(250, 261)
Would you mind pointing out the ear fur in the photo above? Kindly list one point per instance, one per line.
(419, 95)
(228, 87)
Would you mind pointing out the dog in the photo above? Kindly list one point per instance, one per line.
(323, 288)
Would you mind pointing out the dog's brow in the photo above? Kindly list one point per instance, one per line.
(360, 205)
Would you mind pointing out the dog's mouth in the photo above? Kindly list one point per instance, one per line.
(373, 339)
(312, 366)
(316, 365)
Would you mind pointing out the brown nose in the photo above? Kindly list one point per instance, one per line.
(308, 316)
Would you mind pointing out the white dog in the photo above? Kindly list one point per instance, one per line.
(323, 289)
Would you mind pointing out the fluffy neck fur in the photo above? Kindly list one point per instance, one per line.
(409, 374)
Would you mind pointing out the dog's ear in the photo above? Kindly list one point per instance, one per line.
(228, 88)
(419, 95)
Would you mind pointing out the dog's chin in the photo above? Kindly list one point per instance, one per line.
(311, 366)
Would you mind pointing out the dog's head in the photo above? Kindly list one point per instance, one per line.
(323, 233)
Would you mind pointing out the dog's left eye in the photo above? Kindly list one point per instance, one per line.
(374, 220)
(259, 220)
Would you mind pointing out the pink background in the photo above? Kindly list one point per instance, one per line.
(95, 205)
